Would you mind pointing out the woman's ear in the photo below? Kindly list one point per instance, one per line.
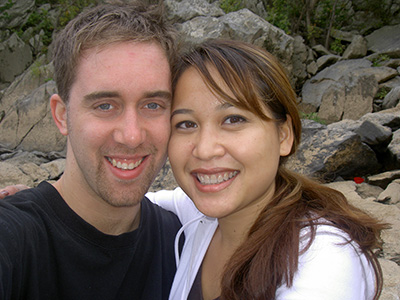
(286, 136)
(59, 113)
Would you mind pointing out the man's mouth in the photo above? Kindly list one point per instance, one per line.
(206, 179)
(124, 164)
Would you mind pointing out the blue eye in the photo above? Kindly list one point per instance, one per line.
(105, 106)
(153, 105)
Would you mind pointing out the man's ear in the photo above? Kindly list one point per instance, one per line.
(286, 136)
(59, 113)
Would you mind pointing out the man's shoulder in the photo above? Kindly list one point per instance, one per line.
(158, 214)
(24, 207)
(28, 196)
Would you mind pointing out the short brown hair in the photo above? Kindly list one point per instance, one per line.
(106, 24)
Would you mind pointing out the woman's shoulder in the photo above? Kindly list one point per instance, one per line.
(177, 202)
(332, 266)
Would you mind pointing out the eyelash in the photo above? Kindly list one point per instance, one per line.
(237, 120)
(180, 125)
(109, 106)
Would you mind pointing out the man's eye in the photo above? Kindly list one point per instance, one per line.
(153, 105)
(186, 125)
(105, 106)
(234, 119)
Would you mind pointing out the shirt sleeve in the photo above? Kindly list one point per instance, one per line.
(177, 202)
(331, 269)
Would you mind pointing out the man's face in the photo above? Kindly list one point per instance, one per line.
(118, 121)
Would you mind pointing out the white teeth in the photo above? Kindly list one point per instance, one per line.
(124, 165)
(214, 179)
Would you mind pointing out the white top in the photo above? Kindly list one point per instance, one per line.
(328, 270)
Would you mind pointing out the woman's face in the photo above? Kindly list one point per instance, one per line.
(225, 158)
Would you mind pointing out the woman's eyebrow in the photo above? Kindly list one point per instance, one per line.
(181, 111)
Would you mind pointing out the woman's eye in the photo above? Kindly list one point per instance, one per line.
(234, 119)
(186, 125)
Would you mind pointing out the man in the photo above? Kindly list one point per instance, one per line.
(93, 235)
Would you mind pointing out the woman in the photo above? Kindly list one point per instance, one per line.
(262, 232)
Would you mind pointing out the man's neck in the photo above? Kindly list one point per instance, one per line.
(101, 215)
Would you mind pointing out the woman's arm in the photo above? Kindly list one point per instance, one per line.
(331, 270)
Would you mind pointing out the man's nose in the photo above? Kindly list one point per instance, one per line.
(129, 130)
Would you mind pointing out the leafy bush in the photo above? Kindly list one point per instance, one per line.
(231, 5)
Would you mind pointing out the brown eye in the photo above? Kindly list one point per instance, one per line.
(186, 125)
(234, 119)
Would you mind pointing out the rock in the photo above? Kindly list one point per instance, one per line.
(315, 88)
(374, 134)
(17, 13)
(321, 50)
(246, 26)
(343, 35)
(54, 168)
(36, 75)
(386, 213)
(15, 57)
(383, 179)
(391, 280)
(391, 83)
(394, 149)
(366, 190)
(165, 180)
(327, 60)
(357, 48)
(34, 171)
(180, 11)
(384, 118)
(392, 98)
(28, 119)
(329, 152)
(391, 195)
(10, 174)
(385, 40)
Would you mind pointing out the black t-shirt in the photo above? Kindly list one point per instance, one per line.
(48, 252)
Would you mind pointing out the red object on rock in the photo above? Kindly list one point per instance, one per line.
(358, 180)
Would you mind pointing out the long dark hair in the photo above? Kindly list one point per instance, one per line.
(269, 256)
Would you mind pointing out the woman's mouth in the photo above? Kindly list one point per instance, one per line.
(207, 179)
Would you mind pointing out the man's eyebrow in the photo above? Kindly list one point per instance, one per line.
(100, 95)
(158, 94)
(113, 94)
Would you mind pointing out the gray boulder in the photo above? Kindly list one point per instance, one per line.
(246, 26)
(28, 124)
(357, 48)
(329, 152)
(15, 57)
(385, 40)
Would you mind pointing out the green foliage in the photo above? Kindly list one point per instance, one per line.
(39, 21)
(377, 62)
(231, 5)
(279, 16)
(337, 47)
(3, 14)
(382, 92)
(312, 116)
(314, 23)
(71, 8)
